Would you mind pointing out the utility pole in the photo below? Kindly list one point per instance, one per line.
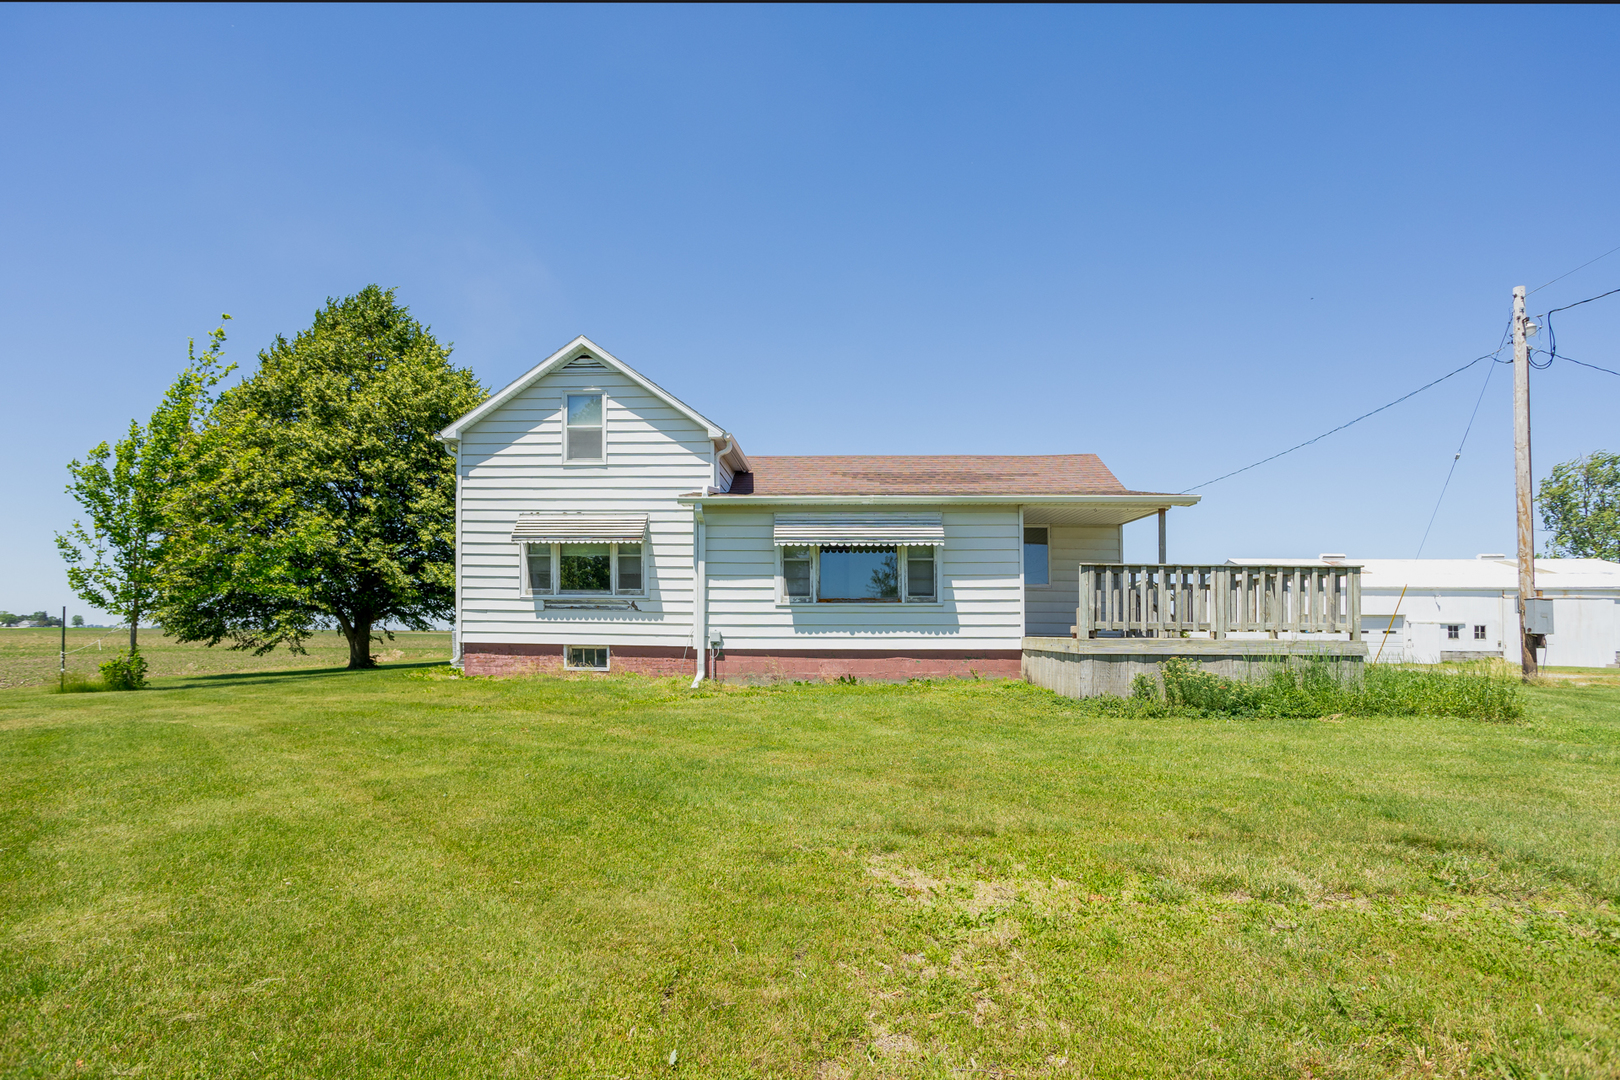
(1521, 478)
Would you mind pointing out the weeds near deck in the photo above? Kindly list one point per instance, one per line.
(1318, 688)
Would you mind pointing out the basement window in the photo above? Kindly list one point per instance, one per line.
(584, 434)
(587, 658)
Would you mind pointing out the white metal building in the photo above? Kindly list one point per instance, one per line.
(1428, 611)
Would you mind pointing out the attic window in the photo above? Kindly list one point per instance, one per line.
(583, 435)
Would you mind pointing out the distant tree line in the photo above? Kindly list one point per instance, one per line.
(38, 618)
(311, 494)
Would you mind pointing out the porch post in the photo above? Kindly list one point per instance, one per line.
(1162, 559)
(1082, 613)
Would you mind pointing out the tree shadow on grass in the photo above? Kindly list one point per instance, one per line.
(272, 678)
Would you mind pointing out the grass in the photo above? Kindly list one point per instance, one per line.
(30, 657)
(398, 873)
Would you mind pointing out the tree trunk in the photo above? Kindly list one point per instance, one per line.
(134, 622)
(359, 634)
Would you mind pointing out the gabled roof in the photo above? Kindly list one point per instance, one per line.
(581, 346)
(953, 474)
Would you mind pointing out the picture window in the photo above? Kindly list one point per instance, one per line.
(859, 574)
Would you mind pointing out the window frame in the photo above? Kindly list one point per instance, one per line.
(1480, 632)
(587, 391)
(1453, 631)
(526, 587)
(607, 658)
(815, 600)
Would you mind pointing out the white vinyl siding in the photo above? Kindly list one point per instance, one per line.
(977, 574)
(512, 464)
(1049, 609)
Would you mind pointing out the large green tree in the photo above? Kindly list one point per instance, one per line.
(1580, 506)
(321, 495)
(126, 490)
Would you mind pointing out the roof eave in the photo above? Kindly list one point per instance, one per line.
(1134, 500)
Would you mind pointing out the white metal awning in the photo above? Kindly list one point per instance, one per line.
(580, 528)
(860, 527)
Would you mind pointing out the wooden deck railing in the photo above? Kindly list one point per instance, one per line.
(1164, 601)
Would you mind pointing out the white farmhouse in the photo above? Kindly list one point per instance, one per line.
(603, 524)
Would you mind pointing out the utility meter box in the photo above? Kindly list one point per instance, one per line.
(717, 641)
(1538, 616)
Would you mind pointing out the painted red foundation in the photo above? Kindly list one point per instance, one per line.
(483, 658)
(760, 665)
(757, 665)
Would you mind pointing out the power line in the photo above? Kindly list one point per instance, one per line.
(1583, 363)
(1552, 335)
(1566, 273)
(1578, 303)
(1348, 423)
(1489, 371)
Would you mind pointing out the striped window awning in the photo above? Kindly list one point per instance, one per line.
(580, 528)
(860, 527)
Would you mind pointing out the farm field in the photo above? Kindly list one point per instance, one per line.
(30, 657)
(397, 873)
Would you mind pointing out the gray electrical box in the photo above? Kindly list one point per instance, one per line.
(1538, 616)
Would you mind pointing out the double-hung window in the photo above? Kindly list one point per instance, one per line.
(583, 570)
(584, 428)
(858, 574)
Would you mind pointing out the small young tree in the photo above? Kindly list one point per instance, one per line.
(321, 495)
(126, 489)
(1580, 506)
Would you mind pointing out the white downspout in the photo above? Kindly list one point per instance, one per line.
(700, 600)
(715, 457)
(456, 633)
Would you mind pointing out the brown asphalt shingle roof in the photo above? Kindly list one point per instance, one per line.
(953, 474)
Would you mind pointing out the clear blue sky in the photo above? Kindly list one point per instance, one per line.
(1180, 238)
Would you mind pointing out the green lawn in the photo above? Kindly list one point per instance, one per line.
(30, 657)
(396, 873)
